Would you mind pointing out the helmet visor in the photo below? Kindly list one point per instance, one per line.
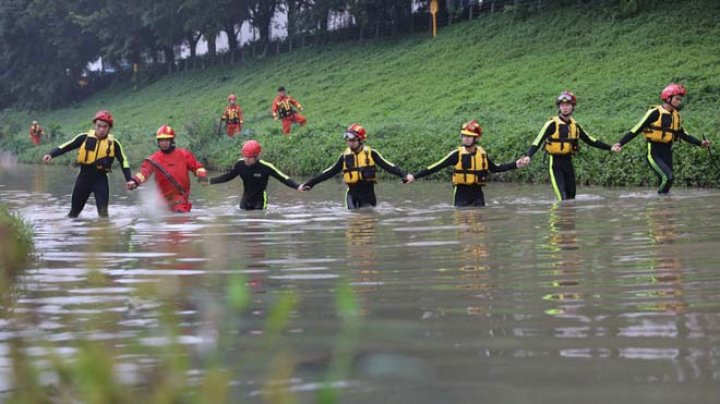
(350, 135)
(565, 98)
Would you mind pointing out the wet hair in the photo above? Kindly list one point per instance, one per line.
(281, 88)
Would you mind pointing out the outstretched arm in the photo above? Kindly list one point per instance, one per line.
(386, 165)
(650, 117)
(585, 137)
(75, 143)
(227, 176)
(494, 168)
(449, 160)
(279, 175)
(328, 173)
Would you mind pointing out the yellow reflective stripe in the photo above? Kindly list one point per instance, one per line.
(540, 134)
(639, 125)
(330, 168)
(272, 167)
(73, 139)
(656, 168)
(553, 181)
(443, 159)
(379, 155)
(125, 162)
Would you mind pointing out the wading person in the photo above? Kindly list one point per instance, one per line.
(232, 117)
(283, 107)
(97, 149)
(36, 132)
(358, 166)
(561, 137)
(254, 173)
(662, 127)
(471, 167)
(171, 166)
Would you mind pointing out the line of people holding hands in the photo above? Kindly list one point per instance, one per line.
(559, 137)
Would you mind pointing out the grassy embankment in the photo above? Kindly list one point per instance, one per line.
(412, 94)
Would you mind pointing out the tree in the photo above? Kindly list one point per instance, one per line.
(43, 51)
(261, 15)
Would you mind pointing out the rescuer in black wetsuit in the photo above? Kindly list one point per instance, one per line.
(662, 127)
(561, 136)
(254, 174)
(471, 168)
(358, 165)
(97, 151)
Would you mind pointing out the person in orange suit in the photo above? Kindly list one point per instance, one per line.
(283, 107)
(171, 166)
(232, 116)
(36, 132)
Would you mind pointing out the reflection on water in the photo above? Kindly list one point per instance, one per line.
(614, 295)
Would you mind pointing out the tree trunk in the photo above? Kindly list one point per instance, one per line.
(233, 42)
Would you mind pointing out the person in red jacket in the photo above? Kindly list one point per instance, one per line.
(171, 166)
(283, 107)
(232, 116)
(36, 132)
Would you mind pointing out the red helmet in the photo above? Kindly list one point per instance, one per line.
(671, 90)
(232, 97)
(105, 116)
(471, 128)
(566, 96)
(355, 131)
(251, 148)
(165, 132)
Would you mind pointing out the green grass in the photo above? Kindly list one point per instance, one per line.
(16, 247)
(413, 93)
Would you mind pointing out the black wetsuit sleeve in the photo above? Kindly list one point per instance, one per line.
(227, 176)
(651, 116)
(279, 175)
(494, 168)
(328, 173)
(585, 137)
(450, 160)
(71, 145)
(123, 161)
(545, 131)
(689, 138)
(386, 165)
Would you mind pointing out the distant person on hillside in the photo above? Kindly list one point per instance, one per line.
(36, 132)
(662, 127)
(254, 173)
(471, 167)
(232, 116)
(560, 137)
(283, 107)
(171, 165)
(97, 149)
(358, 166)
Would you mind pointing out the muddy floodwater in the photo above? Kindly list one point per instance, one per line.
(612, 298)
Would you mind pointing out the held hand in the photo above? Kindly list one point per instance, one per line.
(409, 179)
(522, 162)
(616, 148)
(131, 185)
(706, 143)
(46, 158)
(303, 188)
(204, 181)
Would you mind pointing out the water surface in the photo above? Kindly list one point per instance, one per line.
(612, 298)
